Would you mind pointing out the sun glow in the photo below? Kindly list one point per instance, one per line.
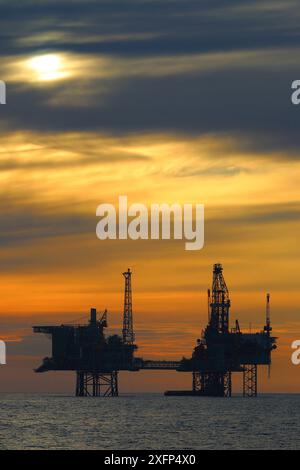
(47, 67)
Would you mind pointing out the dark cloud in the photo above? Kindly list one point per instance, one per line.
(21, 223)
(11, 164)
(266, 214)
(25, 223)
(248, 98)
(253, 105)
(36, 239)
(176, 26)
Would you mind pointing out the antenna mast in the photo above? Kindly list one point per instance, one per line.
(268, 327)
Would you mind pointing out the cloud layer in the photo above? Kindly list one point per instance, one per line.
(132, 66)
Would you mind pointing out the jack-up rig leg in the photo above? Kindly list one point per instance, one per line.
(95, 384)
(227, 384)
(197, 382)
(250, 380)
(212, 384)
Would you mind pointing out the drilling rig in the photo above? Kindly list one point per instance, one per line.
(97, 359)
(215, 379)
(221, 351)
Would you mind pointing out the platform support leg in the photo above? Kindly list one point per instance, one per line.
(80, 391)
(197, 384)
(227, 382)
(212, 384)
(250, 380)
(97, 384)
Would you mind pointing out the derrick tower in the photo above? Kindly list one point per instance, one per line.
(215, 380)
(127, 332)
(220, 304)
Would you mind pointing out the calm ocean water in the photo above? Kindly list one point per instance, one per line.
(149, 422)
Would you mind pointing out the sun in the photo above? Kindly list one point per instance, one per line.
(47, 67)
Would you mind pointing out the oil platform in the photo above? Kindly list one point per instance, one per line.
(222, 350)
(85, 349)
(219, 352)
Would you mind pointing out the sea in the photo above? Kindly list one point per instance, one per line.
(149, 422)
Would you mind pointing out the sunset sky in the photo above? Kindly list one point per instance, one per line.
(162, 101)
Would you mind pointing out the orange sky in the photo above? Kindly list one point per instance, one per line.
(86, 124)
(49, 277)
